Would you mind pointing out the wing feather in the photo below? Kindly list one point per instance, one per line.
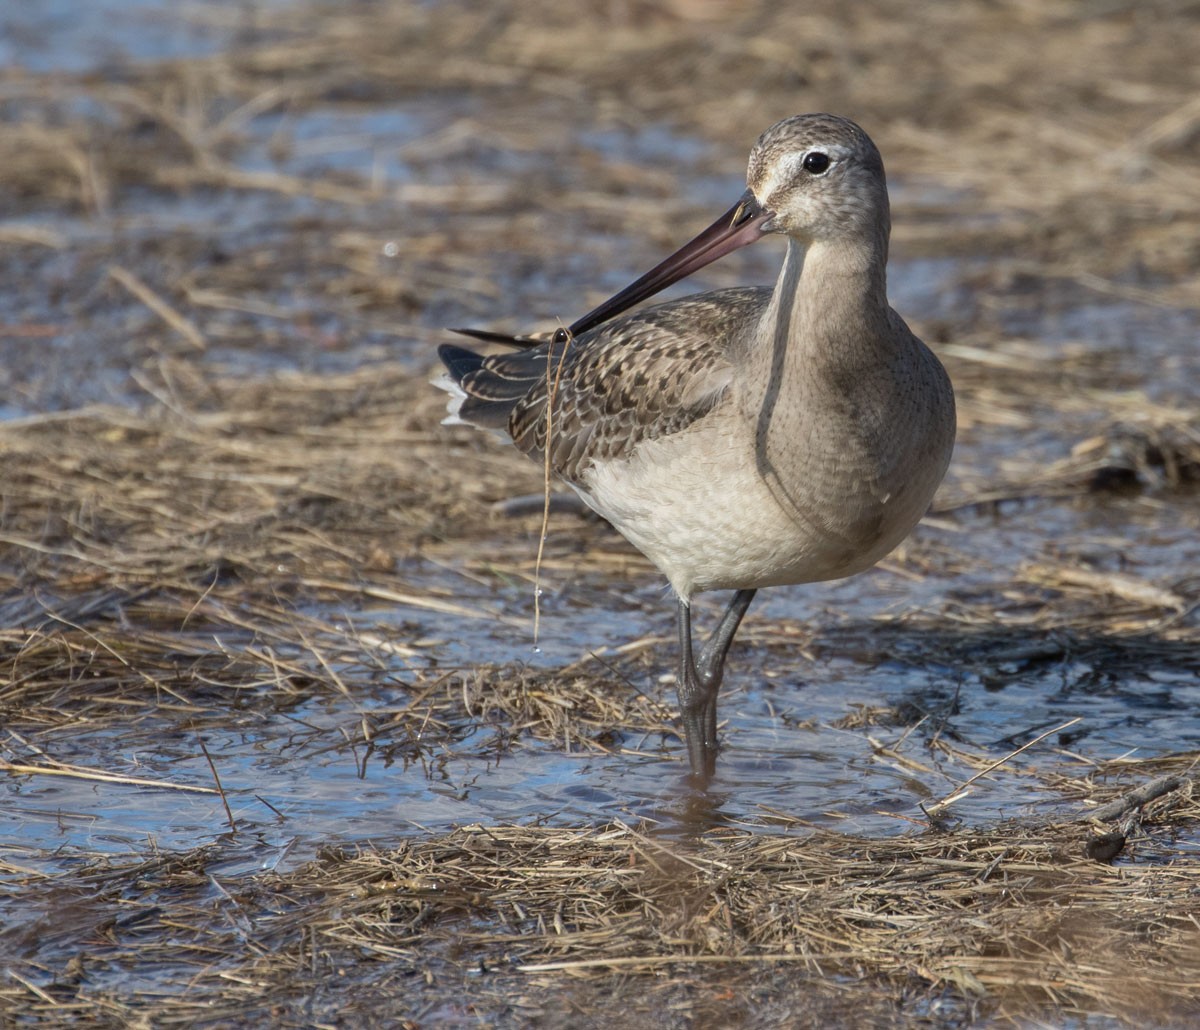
(640, 377)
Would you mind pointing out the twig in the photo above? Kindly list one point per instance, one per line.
(666, 960)
(161, 307)
(433, 604)
(71, 772)
(936, 809)
(31, 986)
(564, 337)
(1137, 797)
(220, 789)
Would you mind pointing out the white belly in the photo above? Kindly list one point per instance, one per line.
(698, 505)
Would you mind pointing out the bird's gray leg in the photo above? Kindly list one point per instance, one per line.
(694, 703)
(711, 667)
(700, 683)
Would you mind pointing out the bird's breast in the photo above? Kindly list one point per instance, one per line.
(799, 493)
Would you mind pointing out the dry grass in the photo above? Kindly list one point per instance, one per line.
(1017, 105)
(491, 923)
(224, 514)
(165, 563)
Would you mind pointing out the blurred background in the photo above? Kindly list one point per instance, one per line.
(317, 186)
(231, 236)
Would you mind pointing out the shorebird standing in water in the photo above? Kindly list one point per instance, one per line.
(748, 437)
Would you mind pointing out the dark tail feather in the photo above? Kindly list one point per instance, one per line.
(459, 361)
(487, 336)
(488, 396)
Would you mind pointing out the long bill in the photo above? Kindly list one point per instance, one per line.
(740, 226)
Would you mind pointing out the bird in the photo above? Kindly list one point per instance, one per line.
(747, 437)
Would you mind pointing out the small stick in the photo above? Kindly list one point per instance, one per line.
(31, 986)
(934, 810)
(161, 307)
(622, 961)
(564, 337)
(220, 789)
(1137, 797)
(282, 817)
(87, 774)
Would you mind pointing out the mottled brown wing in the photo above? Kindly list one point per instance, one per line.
(644, 376)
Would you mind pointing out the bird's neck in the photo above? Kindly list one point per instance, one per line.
(819, 381)
(827, 331)
(831, 295)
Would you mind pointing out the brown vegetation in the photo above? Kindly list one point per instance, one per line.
(167, 559)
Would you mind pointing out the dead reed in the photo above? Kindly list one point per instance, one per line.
(1007, 924)
(224, 542)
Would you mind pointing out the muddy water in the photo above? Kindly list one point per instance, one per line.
(784, 752)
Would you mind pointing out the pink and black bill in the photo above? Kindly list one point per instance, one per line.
(741, 225)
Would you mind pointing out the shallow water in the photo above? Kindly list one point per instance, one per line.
(784, 757)
(783, 753)
(66, 36)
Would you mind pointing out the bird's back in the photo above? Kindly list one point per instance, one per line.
(641, 377)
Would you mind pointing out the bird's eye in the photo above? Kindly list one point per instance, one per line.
(816, 162)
